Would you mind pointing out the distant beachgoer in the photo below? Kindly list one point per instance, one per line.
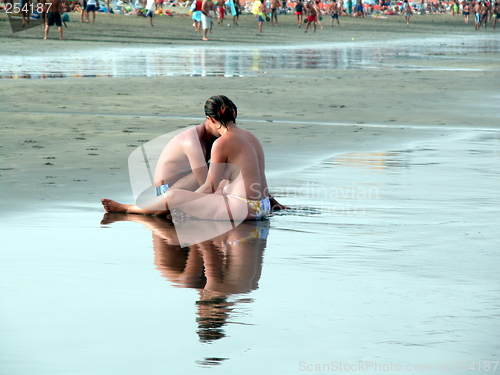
(496, 14)
(149, 10)
(318, 13)
(25, 10)
(91, 8)
(299, 10)
(312, 16)
(197, 15)
(485, 12)
(261, 14)
(334, 12)
(359, 9)
(349, 7)
(477, 15)
(466, 12)
(207, 9)
(407, 12)
(237, 9)
(83, 5)
(54, 10)
(275, 4)
(221, 12)
(236, 183)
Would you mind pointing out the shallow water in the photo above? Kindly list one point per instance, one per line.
(388, 257)
(248, 61)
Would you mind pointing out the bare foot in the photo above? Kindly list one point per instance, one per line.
(112, 206)
(110, 218)
(205, 38)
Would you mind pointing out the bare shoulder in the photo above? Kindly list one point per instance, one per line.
(187, 137)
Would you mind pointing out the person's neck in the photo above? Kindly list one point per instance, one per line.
(204, 133)
(230, 126)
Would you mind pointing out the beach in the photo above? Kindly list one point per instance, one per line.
(386, 150)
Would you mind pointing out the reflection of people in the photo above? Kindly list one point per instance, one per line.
(224, 266)
(236, 184)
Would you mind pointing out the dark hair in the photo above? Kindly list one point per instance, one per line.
(221, 108)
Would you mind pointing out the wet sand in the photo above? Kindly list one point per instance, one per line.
(388, 255)
(72, 137)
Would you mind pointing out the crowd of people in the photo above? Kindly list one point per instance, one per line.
(205, 12)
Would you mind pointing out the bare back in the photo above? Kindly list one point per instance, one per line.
(53, 6)
(185, 153)
(240, 148)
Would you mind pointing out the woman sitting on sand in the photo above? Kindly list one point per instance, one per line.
(236, 186)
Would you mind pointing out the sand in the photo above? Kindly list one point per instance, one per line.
(70, 138)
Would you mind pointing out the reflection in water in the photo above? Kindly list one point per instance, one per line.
(206, 61)
(220, 268)
(370, 160)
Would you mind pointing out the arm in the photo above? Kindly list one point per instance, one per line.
(216, 171)
(193, 150)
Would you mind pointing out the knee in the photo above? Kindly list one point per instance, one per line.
(168, 194)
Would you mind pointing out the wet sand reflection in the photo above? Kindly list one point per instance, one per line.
(227, 265)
